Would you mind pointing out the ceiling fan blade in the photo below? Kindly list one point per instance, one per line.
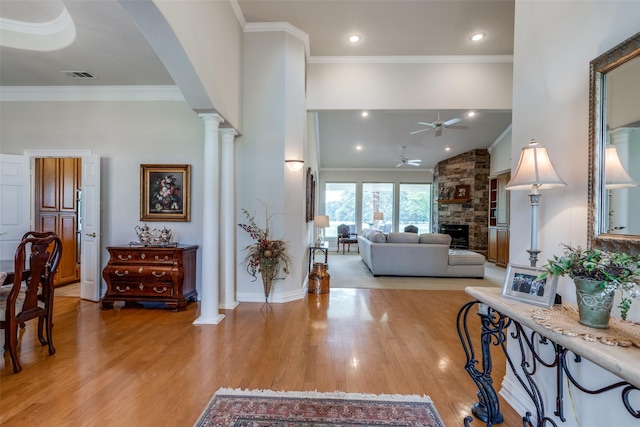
(458, 127)
(427, 124)
(415, 161)
(439, 131)
(452, 121)
(399, 164)
(417, 131)
(414, 164)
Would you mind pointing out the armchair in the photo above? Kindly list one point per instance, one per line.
(347, 236)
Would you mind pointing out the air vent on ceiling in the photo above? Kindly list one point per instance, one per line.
(79, 74)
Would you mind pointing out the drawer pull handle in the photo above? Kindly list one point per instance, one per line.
(117, 273)
(158, 275)
(123, 290)
(141, 287)
(142, 256)
(121, 258)
(163, 259)
(160, 291)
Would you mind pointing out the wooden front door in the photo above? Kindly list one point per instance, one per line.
(57, 185)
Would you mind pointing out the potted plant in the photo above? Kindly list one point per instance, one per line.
(598, 275)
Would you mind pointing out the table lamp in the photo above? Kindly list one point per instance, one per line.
(321, 222)
(378, 216)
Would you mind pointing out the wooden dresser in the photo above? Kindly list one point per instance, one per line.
(151, 274)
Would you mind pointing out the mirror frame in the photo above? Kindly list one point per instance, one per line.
(606, 62)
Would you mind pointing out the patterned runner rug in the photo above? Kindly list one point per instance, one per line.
(266, 408)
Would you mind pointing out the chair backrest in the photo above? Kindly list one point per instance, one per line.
(411, 229)
(44, 257)
(41, 235)
(343, 230)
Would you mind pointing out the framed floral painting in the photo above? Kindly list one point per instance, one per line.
(165, 193)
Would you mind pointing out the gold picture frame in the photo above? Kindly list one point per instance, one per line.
(165, 193)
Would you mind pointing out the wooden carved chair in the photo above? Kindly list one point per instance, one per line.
(347, 236)
(31, 294)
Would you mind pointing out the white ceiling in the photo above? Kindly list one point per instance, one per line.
(113, 49)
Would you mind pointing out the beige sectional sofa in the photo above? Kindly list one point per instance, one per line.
(410, 254)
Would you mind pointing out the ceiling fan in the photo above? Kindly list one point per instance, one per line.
(438, 125)
(406, 161)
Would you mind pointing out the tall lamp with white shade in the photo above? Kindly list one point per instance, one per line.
(534, 172)
(617, 178)
(377, 217)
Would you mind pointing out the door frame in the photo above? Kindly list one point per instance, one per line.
(32, 155)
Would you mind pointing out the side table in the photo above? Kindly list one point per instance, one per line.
(323, 247)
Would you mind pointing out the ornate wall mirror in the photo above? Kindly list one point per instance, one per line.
(614, 148)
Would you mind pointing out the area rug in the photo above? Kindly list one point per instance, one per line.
(349, 271)
(266, 408)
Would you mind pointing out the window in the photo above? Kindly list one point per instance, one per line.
(377, 198)
(340, 205)
(415, 207)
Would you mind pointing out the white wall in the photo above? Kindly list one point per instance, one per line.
(554, 42)
(346, 86)
(275, 116)
(124, 135)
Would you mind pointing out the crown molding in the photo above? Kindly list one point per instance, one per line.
(261, 27)
(429, 59)
(89, 93)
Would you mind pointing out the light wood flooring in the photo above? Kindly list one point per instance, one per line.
(153, 367)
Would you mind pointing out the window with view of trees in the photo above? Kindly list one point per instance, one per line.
(340, 205)
(415, 207)
(377, 197)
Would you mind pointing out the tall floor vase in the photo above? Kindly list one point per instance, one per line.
(594, 307)
(268, 273)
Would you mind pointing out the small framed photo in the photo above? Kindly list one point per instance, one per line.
(165, 192)
(522, 284)
(462, 192)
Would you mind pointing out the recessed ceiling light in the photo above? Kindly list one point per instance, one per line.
(354, 38)
(471, 114)
(477, 37)
(358, 147)
(365, 113)
(447, 149)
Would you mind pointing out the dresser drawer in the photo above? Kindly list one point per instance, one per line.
(125, 288)
(125, 272)
(141, 256)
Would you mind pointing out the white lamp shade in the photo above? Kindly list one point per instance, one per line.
(615, 175)
(378, 216)
(534, 170)
(321, 221)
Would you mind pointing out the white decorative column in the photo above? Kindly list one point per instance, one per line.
(210, 224)
(619, 198)
(228, 225)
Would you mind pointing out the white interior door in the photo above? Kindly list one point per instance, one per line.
(90, 276)
(15, 213)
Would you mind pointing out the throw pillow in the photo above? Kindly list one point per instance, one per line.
(3, 276)
(377, 237)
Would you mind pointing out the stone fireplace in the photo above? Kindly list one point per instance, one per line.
(472, 169)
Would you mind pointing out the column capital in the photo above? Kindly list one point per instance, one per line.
(213, 119)
(227, 134)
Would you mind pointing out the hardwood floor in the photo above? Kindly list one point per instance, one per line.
(153, 367)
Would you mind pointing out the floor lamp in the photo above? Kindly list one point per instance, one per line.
(534, 172)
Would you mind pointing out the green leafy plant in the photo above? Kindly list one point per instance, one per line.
(615, 271)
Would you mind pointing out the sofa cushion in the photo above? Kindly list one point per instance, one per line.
(365, 232)
(460, 257)
(435, 238)
(377, 237)
(403, 238)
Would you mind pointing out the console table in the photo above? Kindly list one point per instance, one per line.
(323, 247)
(151, 274)
(496, 315)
